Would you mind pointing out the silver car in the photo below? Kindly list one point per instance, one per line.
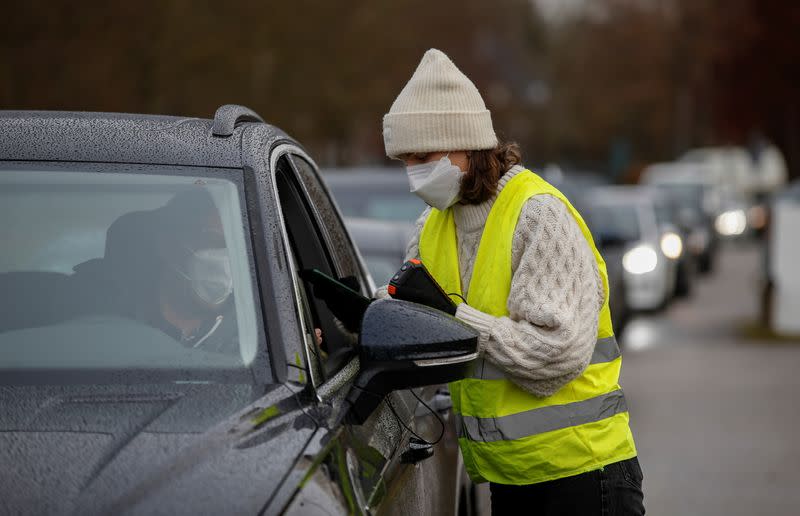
(628, 214)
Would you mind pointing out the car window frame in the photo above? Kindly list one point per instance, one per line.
(366, 284)
(362, 271)
(312, 364)
(260, 370)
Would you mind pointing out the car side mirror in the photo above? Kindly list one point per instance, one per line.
(404, 345)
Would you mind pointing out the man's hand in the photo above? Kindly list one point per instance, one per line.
(382, 293)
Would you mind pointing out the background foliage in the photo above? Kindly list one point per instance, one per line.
(634, 80)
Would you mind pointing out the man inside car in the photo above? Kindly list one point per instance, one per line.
(195, 282)
(168, 268)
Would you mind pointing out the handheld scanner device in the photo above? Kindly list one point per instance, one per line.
(414, 283)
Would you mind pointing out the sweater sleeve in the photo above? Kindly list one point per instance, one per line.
(556, 295)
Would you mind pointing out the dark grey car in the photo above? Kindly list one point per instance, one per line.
(162, 279)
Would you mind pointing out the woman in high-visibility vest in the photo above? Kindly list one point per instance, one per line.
(542, 416)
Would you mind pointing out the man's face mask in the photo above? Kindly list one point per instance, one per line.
(438, 183)
(209, 273)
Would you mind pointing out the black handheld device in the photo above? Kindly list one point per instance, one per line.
(413, 282)
(345, 303)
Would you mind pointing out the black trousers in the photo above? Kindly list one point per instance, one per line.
(615, 490)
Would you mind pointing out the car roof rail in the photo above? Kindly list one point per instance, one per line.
(229, 116)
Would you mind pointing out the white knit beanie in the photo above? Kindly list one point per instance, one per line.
(438, 110)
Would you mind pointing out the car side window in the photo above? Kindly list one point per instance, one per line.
(338, 241)
(307, 242)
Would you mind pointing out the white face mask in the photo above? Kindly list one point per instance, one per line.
(209, 272)
(438, 183)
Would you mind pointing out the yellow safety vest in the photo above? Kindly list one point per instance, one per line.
(508, 435)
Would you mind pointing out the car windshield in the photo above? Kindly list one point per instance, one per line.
(684, 194)
(104, 270)
(688, 198)
(383, 202)
(664, 213)
(614, 220)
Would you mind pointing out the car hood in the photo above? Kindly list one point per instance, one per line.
(130, 450)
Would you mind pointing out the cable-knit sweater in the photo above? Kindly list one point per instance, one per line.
(556, 293)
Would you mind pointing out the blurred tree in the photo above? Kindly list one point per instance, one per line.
(652, 77)
(324, 71)
(634, 73)
(666, 75)
(756, 75)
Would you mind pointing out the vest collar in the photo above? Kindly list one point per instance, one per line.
(472, 217)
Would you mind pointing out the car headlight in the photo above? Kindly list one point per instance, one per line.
(671, 245)
(731, 223)
(640, 260)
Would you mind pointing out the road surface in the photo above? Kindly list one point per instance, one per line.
(715, 414)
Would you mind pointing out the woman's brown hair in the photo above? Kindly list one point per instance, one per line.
(486, 167)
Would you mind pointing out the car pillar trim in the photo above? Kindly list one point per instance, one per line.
(281, 150)
(544, 419)
(605, 350)
(430, 362)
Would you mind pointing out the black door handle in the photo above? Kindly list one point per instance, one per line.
(417, 451)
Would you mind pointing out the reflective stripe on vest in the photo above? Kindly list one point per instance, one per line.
(605, 350)
(508, 435)
(544, 419)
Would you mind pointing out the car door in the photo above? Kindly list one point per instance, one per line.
(381, 478)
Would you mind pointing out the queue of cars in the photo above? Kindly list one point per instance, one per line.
(671, 225)
(186, 328)
(694, 207)
(742, 181)
(753, 200)
(643, 235)
(656, 237)
(642, 246)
